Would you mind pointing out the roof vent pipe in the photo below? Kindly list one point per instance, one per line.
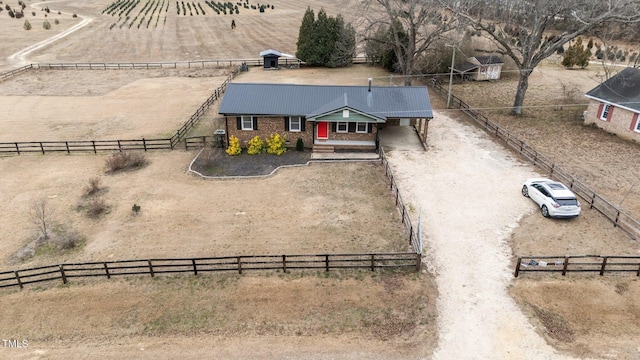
(369, 84)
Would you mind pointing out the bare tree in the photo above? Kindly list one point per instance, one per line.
(414, 27)
(521, 29)
(41, 216)
(608, 55)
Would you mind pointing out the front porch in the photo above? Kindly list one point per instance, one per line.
(331, 146)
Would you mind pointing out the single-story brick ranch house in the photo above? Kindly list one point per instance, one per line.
(614, 105)
(326, 118)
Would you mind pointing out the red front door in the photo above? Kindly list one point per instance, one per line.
(323, 130)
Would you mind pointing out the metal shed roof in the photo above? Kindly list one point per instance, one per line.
(623, 89)
(308, 100)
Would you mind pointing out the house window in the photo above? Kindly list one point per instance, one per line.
(361, 127)
(342, 127)
(605, 112)
(247, 123)
(295, 123)
(637, 127)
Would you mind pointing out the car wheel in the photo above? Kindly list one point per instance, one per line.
(525, 191)
(545, 211)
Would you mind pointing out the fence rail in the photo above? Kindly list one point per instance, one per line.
(197, 266)
(95, 146)
(148, 66)
(414, 240)
(619, 218)
(582, 263)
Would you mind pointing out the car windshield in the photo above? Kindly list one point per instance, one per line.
(567, 202)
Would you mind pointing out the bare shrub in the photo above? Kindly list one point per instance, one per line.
(125, 160)
(69, 240)
(93, 187)
(41, 216)
(96, 207)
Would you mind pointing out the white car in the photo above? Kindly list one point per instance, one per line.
(553, 198)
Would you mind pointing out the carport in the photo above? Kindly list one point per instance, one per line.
(400, 138)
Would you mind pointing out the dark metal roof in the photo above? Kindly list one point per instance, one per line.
(310, 100)
(489, 60)
(623, 89)
(465, 66)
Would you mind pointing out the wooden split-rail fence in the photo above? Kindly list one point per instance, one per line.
(578, 264)
(196, 266)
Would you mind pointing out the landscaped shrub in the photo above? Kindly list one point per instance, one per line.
(256, 146)
(234, 146)
(74, 15)
(276, 144)
(46, 25)
(27, 25)
(125, 160)
(300, 144)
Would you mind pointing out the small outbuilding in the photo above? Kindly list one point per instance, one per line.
(480, 68)
(270, 59)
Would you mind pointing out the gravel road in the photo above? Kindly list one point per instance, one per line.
(468, 188)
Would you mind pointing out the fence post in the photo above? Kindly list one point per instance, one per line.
(615, 222)
(604, 264)
(195, 269)
(17, 148)
(150, 268)
(93, 143)
(410, 234)
(239, 265)
(593, 199)
(106, 271)
(638, 272)
(64, 276)
(20, 281)
(418, 262)
(517, 272)
(403, 214)
(373, 262)
(284, 263)
(119, 146)
(42, 148)
(565, 265)
(326, 263)
(144, 144)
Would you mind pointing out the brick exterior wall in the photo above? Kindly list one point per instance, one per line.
(619, 123)
(268, 126)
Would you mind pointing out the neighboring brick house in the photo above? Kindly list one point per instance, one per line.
(481, 68)
(614, 105)
(327, 118)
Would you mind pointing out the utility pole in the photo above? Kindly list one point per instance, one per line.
(453, 59)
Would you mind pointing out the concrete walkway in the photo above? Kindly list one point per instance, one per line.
(400, 138)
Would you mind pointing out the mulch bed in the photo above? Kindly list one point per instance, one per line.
(215, 162)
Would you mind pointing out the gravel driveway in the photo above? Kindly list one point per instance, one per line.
(468, 188)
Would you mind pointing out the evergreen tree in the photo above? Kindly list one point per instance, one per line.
(344, 47)
(576, 55)
(305, 36)
(325, 40)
